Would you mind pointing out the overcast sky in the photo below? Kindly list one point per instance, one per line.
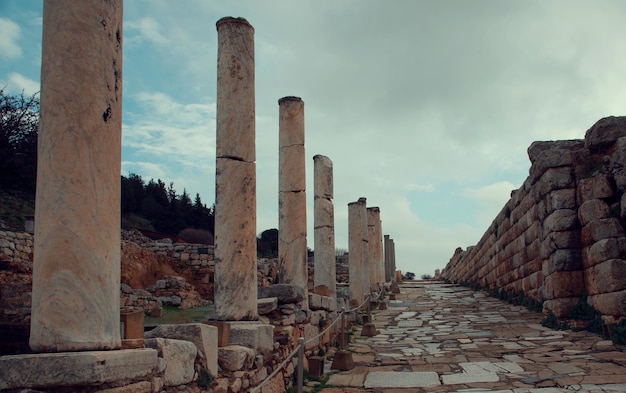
(426, 108)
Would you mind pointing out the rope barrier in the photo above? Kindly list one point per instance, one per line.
(301, 344)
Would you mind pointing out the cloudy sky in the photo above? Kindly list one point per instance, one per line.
(426, 108)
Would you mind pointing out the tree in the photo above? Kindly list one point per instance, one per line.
(19, 124)
(267, 243)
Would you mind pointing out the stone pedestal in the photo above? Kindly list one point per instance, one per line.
(324, 273)
(342, 361)
(292, 231)
(235, 174)
(369, 330)
(76, 268)
(358, 269)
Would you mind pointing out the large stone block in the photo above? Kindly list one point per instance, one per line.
(561, 220)
(286, 293)
(613, 303)
(592, 209)
(204, 337)
(236, 357)
(561, 199)
(253, 335)
(550, 154)
(603, 250)
(601, 229)
(607, 276)
(565, 260)
(605, 132)
(179, 356)
(43, 370)
(560, 307)
(565, 284)
(267, 305)
(292, 167)
(597, 187)
(553, 179)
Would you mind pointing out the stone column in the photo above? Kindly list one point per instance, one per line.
(235, 174)
(375, 250)
(393, 259)
(324, 273)
(76, 268)
(388, 267)
(292, 243)
(358, 269)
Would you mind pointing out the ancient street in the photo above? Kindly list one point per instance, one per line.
(437, 337)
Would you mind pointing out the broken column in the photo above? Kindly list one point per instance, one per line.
(292, 246)
(358, 269)
(375, 251)
(76, 268)
(324, 274)
(235, 174)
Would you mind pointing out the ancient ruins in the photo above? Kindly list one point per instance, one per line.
(560, 238)
(86, 326)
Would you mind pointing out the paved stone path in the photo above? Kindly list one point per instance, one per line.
(442, 338)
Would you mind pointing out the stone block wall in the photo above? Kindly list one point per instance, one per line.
(560, 237)
(16, 262)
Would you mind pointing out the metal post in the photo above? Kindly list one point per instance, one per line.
(343, 328)
(300, 363)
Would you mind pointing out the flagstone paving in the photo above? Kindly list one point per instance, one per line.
(437, 337)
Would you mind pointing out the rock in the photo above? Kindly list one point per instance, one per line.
(593, 209)
(254, 335)
(267, 305)
(605, 132)
(235, 357)
(285, 293)
(180, 357)
(203, 336)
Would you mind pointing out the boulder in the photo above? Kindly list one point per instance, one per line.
(180, 357)
(605, 132)
(235, 357)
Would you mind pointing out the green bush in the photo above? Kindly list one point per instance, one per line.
(618, 335)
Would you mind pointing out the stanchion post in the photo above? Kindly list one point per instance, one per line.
(300, 363)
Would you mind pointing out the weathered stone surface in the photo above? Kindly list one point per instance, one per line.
(235, 357)
(375, 248)
(613, 303)
(564, 284)
(310, 333)
(605, 249)
(601, 229)
(550, 154)
(597, 187)
(78, 195)
(267, 305)
(605, 132)
(553, 179)
(139, 387)
(565, 260)
(286, 293)
(358, 266)
(253, 335)
(75, 368)
(235, 122)
(235, 174)
(235, 241)
(292, 239)
(203, 336)
(179, 356)
(607, 276)
(292, 175)
(592, 209)
(561, 220)
(559, 199)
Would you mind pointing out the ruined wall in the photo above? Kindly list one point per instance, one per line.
(16, 269)
(561, 235)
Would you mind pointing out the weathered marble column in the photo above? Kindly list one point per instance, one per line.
(292, 243)
(76, 269)
(394, 269)
(358, 267)
(388, 268)
(235, 174)
(375, 250)
(324, 274)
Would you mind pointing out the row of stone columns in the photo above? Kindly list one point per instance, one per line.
(76, 273)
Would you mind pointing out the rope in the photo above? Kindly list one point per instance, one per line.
(280, 367)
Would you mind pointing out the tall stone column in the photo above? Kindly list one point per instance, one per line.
(375, 250)
(394, 269)
(235, 174)
(76, 269)
(388, 268)
(292, 243)
(358, 269)
(324, 274)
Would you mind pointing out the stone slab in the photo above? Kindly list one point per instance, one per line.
(352, 380)
(464, 378)
(401, 379)
(75, 368)
(255, 335)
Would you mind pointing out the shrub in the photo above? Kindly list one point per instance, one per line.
(197, 236)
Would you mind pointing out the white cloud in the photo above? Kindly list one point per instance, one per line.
(10, 33)
(420, 187)
(490, 198)
(144, 29)
(16, 83)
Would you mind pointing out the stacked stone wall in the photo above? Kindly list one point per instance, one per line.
(560, 237)
(16, 262)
